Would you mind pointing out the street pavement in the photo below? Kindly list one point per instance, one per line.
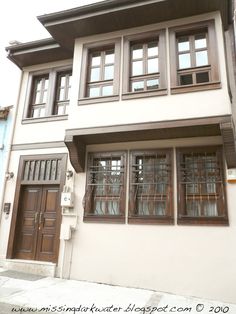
(24, 293)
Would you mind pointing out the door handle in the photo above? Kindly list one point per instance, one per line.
(35, 217)
(40, 217)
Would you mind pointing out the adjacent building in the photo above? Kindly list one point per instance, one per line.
(123, 152)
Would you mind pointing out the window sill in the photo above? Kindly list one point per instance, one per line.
(201, 221)
(104, 219)
(153, 220)
(45, 119)
(195, 88)
(94, 100)
(133, 95)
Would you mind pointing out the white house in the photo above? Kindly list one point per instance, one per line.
(124, 148)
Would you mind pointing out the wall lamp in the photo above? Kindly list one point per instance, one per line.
(69, 174)
(9, 175)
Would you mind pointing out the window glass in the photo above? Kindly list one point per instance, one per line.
(152, 84)
(137, 86)
(137, 52)
(110, 57)
(109, 72)
(201, 58)
(200, 41)
(153, 65)
(152, 49)
(184, 61)
(183, 44)
(107, 90)
(137, 68)
(96, 59)
(94, 91)
(95, 74)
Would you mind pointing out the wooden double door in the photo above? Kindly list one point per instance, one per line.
(38, 223)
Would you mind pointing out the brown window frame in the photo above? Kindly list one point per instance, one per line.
(202, 195)
(49, 105)
(134, 185)
(208, 28)
(65, 102)
(144, 39)
(101, 47)
(90, 193)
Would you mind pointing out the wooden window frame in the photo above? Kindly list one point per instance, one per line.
(51, 96)
(144, 38)
(99, 46)
(66, 101)
(89, 216)
(168, 218)
(184, 219)
(213, 68)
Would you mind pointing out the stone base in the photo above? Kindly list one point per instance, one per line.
(31, 267)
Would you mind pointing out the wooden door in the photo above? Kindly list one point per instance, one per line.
(38, 224)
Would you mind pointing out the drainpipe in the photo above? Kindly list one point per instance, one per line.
(8, 147)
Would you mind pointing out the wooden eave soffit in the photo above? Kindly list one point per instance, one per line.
(228, 135)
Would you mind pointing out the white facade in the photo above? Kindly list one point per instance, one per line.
(188, 260)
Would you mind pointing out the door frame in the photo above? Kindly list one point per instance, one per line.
(20, 182)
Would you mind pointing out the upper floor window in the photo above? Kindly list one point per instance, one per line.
(39, 96)
(48, 94)
(105, 192)
(201, 186)
(100, 72)
(144, 65)
(63, 89)
(194, 58)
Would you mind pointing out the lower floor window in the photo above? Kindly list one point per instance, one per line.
(104, 197)
(200, 186)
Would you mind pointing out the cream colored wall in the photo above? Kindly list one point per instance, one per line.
(188, 260)
(160, 108)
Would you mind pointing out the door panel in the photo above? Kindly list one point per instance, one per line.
(48, 224)
(27, 228)
(38, 224)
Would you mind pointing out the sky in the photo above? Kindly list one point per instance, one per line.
(18, 21)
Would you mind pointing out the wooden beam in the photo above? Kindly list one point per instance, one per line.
(77, 150)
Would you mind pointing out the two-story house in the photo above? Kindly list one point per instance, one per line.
(124, 148)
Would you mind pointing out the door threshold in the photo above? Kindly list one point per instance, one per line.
(40, 268)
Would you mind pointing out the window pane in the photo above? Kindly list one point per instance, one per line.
(202, 77)
(184, 61)
(96, 59)
(45, 83)
(45, 97)
(186, 79)
(153, 65)
(183, 44)
(210, 209)
(37, 98)
(137, 68)
(152, 84)
(137, 52)
(35, 113)
(61, 94)
(63, 81)
(107, 90)
(109, 72)
(109, 58)
(137, 86)
(42, 112)
(60, 110)
(95, 74)
(68, 93)
(152, 49)
(94, 91)
(201, 58)
(38, 85)
(200, 41)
